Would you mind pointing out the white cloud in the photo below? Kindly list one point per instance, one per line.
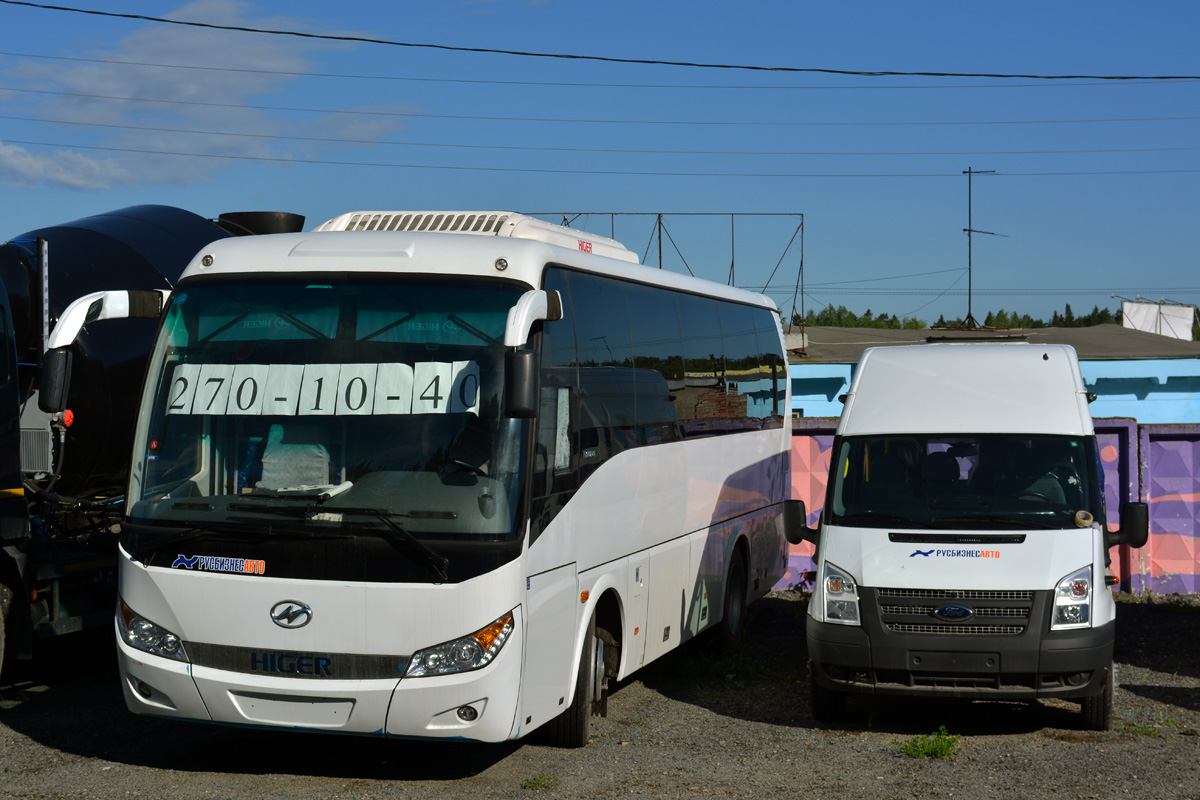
(206, 100)
(21, 168)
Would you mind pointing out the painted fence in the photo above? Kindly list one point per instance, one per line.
(1159, 464)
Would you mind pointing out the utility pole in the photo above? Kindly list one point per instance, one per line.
(970, 322)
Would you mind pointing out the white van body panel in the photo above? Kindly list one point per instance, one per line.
(967, 388)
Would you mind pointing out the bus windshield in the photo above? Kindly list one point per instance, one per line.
(332, 402)
(974, 482)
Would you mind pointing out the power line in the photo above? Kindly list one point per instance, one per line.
(546, 171)
(479, 118)
(579, 57)
(587, 84)
(560, 149)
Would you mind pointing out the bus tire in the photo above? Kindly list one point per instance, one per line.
(827, 705)
(733, 615)
(571, 728)
(1097, 709)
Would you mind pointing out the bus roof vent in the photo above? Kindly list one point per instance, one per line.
(480, 223)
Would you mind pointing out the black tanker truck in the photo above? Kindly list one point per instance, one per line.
(67, 416)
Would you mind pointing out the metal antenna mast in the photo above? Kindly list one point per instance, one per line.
(970, 322)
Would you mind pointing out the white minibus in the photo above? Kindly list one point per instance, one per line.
(963, 548)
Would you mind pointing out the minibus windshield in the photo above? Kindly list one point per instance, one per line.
(978, 482)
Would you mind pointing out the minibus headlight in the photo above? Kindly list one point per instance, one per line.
(1073, 601)
(137, 631)
(462, 655)
(840, 593)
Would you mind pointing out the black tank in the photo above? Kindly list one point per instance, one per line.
(140, 247)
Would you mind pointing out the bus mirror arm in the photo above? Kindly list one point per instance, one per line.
(1135, 526)
(533, 306)
(795, 523)
(521, 383)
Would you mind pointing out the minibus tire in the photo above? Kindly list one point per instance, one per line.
(1097, 709)
(827, 705)
(571, 728)
(733, 615)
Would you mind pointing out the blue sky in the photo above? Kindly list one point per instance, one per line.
(875, 164)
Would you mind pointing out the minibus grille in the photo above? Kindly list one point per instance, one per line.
(994, 612)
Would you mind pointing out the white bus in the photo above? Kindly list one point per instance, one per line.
(443, 475)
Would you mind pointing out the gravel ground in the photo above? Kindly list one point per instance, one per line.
(689, 725)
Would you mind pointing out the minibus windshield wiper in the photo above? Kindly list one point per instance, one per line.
(994, 519)
(875, 517)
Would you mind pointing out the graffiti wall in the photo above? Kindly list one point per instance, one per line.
(1169, 458)
(812, 441)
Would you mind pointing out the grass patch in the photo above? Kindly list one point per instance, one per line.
(939, 745)
(1139, 730)
(539, 781)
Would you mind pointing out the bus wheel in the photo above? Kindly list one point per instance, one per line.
(827, 705)
(571, 728)
(1097, 709)
(733, 617)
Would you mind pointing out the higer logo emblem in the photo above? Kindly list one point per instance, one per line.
(291, 614)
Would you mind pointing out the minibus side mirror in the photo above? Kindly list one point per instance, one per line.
(521, 383)
(795, 523)
(1135, 526)
(56, 380)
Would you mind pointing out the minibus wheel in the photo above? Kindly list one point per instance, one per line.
(1097, 709)
(571, 728)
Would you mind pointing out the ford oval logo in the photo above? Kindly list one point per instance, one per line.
(954, 613)
(291, 614)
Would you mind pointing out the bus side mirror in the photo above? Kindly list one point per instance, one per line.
(56, 380)
(1135, 526)
(521, 383)
(795, 523)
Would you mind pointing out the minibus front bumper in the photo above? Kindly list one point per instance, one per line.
(1039, 663)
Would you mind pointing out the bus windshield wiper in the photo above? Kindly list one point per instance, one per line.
(178, 536)
(397, 535)
(394, 533)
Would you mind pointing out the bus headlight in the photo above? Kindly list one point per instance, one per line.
(137, 631)
(462, 655)
(840, 596)
(1073, 601)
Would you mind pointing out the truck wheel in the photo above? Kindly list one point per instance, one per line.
(571, 728)
(827, 705)
(1097, 709)
(6, 604)
(733, 617)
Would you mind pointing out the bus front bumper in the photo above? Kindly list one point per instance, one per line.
(478, 705)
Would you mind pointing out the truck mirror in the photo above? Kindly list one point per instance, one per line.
(795, 523)
(1135, 525)
(56, 380)
(521, 383)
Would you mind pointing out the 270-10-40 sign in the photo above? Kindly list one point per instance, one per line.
(427, 387)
